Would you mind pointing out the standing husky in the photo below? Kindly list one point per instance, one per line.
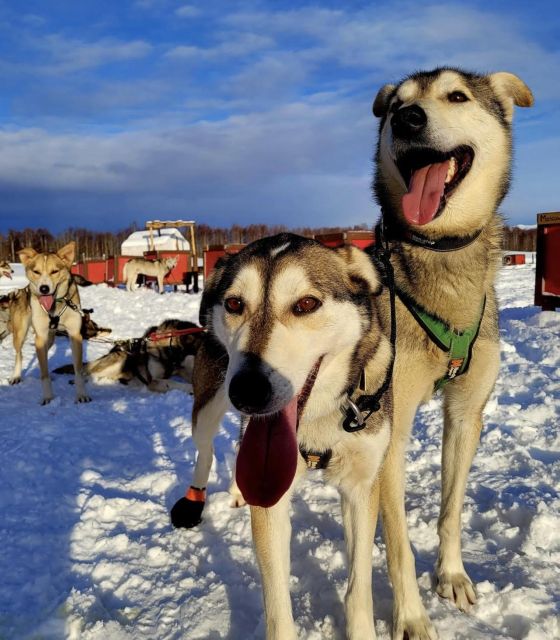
(51, 300)
(295, 343)
(443, 167)
(140, 266)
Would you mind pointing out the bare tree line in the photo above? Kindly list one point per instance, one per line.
(99, 244)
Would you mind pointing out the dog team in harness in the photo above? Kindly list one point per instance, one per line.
(326, 353)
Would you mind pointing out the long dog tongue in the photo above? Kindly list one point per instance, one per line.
(425, 191)
(46, 302)
(267, 458)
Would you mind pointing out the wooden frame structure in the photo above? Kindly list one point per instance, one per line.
(156, 225)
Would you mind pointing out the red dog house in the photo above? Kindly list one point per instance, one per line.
(213, 252)
(358, 238)
(547, 280)
(512, 259)
(96, 270)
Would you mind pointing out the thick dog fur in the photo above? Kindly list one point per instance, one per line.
(433, 114)
(49, 279)
(151, 362)
(10, 302)
(273, 311)
(6, 270)
(140, 266)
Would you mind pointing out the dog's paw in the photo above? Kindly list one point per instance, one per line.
(458, 588)
(82, 399)
(416, 629)
(237, 499)
(15, 380)
(186, 513)
(46, 401)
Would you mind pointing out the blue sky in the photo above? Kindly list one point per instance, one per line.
(242, 112)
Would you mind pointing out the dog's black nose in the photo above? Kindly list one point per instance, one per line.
(250, 391)
(409, 121)
(44, 289)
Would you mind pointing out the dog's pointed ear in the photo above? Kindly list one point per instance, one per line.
(211, 293)
(381, 102)
(27, 254)
(361, 269)
(511, 91)
(67, 253)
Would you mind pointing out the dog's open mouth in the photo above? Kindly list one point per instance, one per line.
(268, 454)
(431, 176)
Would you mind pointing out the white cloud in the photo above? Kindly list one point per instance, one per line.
(66, 55)
(232, 46)
(255, 167)
(187, 11)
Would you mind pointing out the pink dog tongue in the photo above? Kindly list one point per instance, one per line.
(267, 458)
(425, 191)
(46, 302)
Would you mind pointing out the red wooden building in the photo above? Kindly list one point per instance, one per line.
(547, 279)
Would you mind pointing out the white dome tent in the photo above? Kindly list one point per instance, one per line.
(161, 240)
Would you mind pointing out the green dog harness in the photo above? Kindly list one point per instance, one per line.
(457, 344)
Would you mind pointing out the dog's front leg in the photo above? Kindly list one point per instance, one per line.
(464, 402)
(271, 536)
(410, 619)
(20, 329)
(359, 513)
(76, 344)
(42, 348)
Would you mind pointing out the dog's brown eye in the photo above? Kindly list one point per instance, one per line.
(306, 305)
(36, 272)
(234, 305)
(457, 96)
(55, 272)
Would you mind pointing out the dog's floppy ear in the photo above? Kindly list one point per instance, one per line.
(361, 269)
(381, 102)
(27, 254)
(511, 91)
(211, 293)
(67, 253)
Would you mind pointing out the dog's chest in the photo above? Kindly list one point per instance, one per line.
(355, 457)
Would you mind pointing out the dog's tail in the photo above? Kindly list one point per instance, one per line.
(125, 272)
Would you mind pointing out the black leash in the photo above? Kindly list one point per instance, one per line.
(358, 411)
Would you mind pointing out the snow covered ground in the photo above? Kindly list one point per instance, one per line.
(87, 551)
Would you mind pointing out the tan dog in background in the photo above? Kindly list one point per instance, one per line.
(140, 266)
(51, 300)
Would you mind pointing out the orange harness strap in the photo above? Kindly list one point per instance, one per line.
(195, 494)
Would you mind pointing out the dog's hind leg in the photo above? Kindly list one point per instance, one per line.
(359, 513)
(271, 535)
(77, 353)
(207, 417)
(464, 402)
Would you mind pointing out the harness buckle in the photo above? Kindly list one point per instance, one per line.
(353, 417)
